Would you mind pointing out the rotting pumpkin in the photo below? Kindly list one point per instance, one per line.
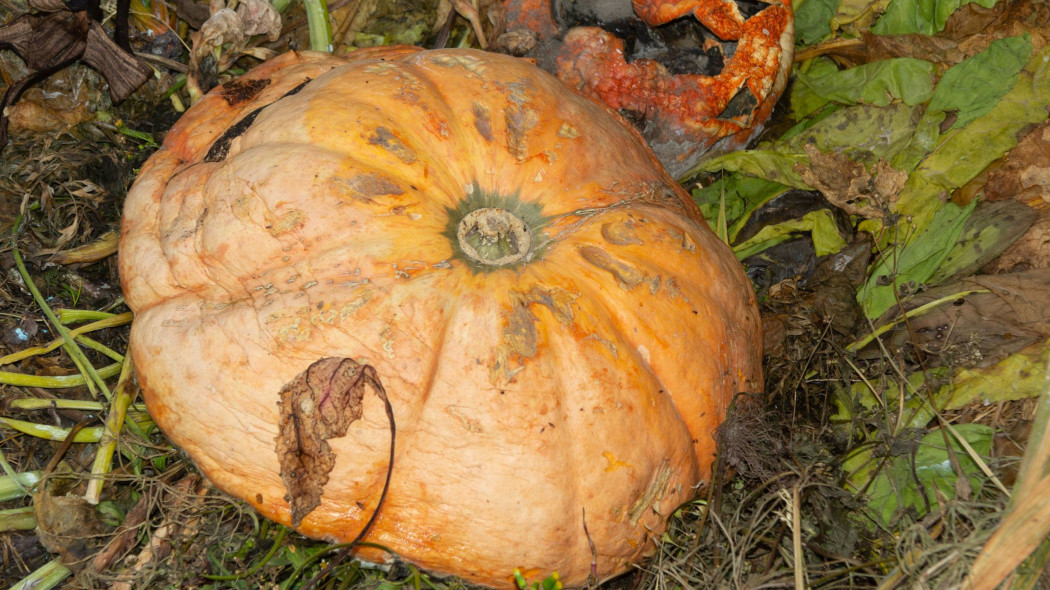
(556, 329)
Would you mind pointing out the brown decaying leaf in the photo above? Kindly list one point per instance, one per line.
(486, 17)
(1032, 250)
(975, 27)
(870, 48)
(468, 10)
(1025, 171)
(849, 185)
(318, 404)
(222, 27)
(235, 31)
(127, 535)
(190, 492)
(194, 14)
(66, 523)
(834, 285)
(990, 326)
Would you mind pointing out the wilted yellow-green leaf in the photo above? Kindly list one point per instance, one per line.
(768, 164)
(864, 133)
(861, 12)
(821, 223)
(1019, 376)
(963, 153)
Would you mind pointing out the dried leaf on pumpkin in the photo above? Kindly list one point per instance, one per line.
(318, 404)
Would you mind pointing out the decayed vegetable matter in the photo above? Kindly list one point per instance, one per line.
(714, 97)
(455, 233)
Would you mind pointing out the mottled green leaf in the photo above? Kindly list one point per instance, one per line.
(919, 16)
(864, 133)
(924, 139)
(820, 223)
(912, 263)
(974, 86)
(992, 228)
(878, 83)
(883, 131)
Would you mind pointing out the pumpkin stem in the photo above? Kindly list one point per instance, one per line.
(494, 236)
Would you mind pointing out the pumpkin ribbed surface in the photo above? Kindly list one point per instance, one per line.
(557, 331)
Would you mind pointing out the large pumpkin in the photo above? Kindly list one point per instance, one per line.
(556, 330)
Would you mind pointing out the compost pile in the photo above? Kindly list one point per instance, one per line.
(894, 218)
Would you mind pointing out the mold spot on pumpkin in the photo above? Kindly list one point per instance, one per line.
(621, 233)
(385, 139)
(286, 223)
(519, 333)
(482, 120)
(520, 120)
(369, 185)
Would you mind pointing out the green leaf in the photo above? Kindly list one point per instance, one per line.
(910, 264)
(974, 86)
(821, 223)
(919, 16)
(813, 21)
(918, 480)
(914, 413)
(923, 141)
(878, 83)
(805, 100)
(742, 195)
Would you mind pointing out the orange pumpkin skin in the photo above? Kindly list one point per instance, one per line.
(579, 386)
